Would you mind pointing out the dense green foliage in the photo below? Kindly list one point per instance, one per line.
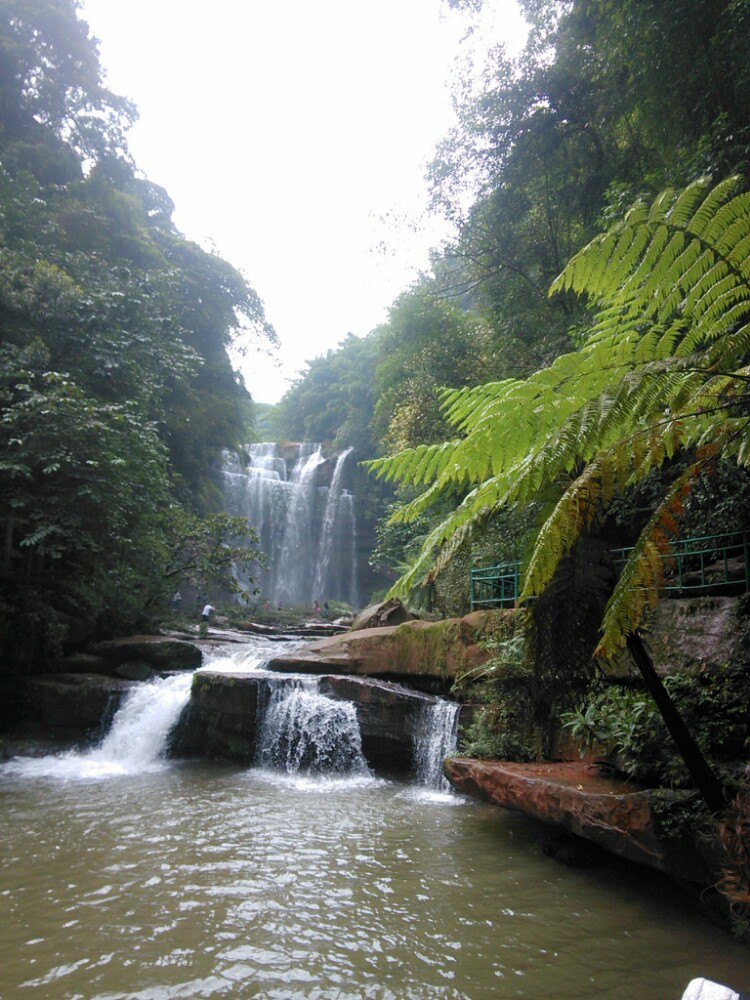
(624, 725)
(662, 370)
(116, 390)
(334, 399)
(611, 101)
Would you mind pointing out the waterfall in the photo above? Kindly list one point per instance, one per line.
(136, 740)
(304, 731)
(349, 547)
(435, 738)
(328, 535)
(307, 530)
(297, 557)
(261, 493)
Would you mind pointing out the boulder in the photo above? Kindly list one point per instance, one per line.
(388, 715)
(134, 670)
(81, 702)
(390, 612)
(159, 652)
(221, 718)
(422, 654)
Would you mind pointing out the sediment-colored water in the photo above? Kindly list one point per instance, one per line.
(126, 875)
(211, 881)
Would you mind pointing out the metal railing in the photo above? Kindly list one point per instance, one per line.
(495, 586)
(706, 564)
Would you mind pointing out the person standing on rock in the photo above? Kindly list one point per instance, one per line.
(326, 610)
(177, 601)
(206, 613)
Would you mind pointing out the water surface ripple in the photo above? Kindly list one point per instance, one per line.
(211, 881)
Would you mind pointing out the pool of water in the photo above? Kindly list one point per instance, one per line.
(203, 880)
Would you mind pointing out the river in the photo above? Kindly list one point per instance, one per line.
(198, 879)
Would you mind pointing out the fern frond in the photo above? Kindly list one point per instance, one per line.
(642, 575)
(573, 512)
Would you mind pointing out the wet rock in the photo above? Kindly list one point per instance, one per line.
(388, 716)
(157, 651)
(81, 702)
(285, 633)
(221, 718)
(134, 670)
(81, 663)
(390, 612)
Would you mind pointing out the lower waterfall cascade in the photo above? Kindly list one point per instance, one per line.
(436, 738)
(136, 740)
(303, 730)
(305, 518)
(298, 730)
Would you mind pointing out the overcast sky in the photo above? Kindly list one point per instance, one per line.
(293, 137)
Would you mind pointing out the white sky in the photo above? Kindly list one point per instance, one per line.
(293, 137)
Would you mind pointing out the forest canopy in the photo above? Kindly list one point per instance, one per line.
(610, 103)
(116, 390)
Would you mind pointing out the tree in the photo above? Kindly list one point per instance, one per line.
(51, 91)
(664, 369)
(333, 399)
(117, 394)
(208, 553)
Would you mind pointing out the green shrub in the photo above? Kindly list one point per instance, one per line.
(627, 725)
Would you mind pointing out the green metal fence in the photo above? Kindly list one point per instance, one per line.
(707, 564)
(495, 586)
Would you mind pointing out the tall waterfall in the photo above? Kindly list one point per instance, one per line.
(305, 731)
(435, 739)
(307, 529)
(297, 556)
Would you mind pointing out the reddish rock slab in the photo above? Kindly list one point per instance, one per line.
(575, 795)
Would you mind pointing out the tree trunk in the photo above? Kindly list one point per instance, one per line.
(700, 770)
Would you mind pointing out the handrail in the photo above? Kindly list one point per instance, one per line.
(498, 586)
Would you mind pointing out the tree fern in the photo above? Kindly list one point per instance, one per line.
(663, 369)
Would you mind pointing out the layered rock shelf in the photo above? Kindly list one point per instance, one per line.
(80, 703)
(418, 652)
(222, 718)
(577, 797)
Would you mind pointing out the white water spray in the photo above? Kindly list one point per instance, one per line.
(297, 547)
(307, 530)
(436, 738)
(327, 535)
(305, 731)
(136, 740)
